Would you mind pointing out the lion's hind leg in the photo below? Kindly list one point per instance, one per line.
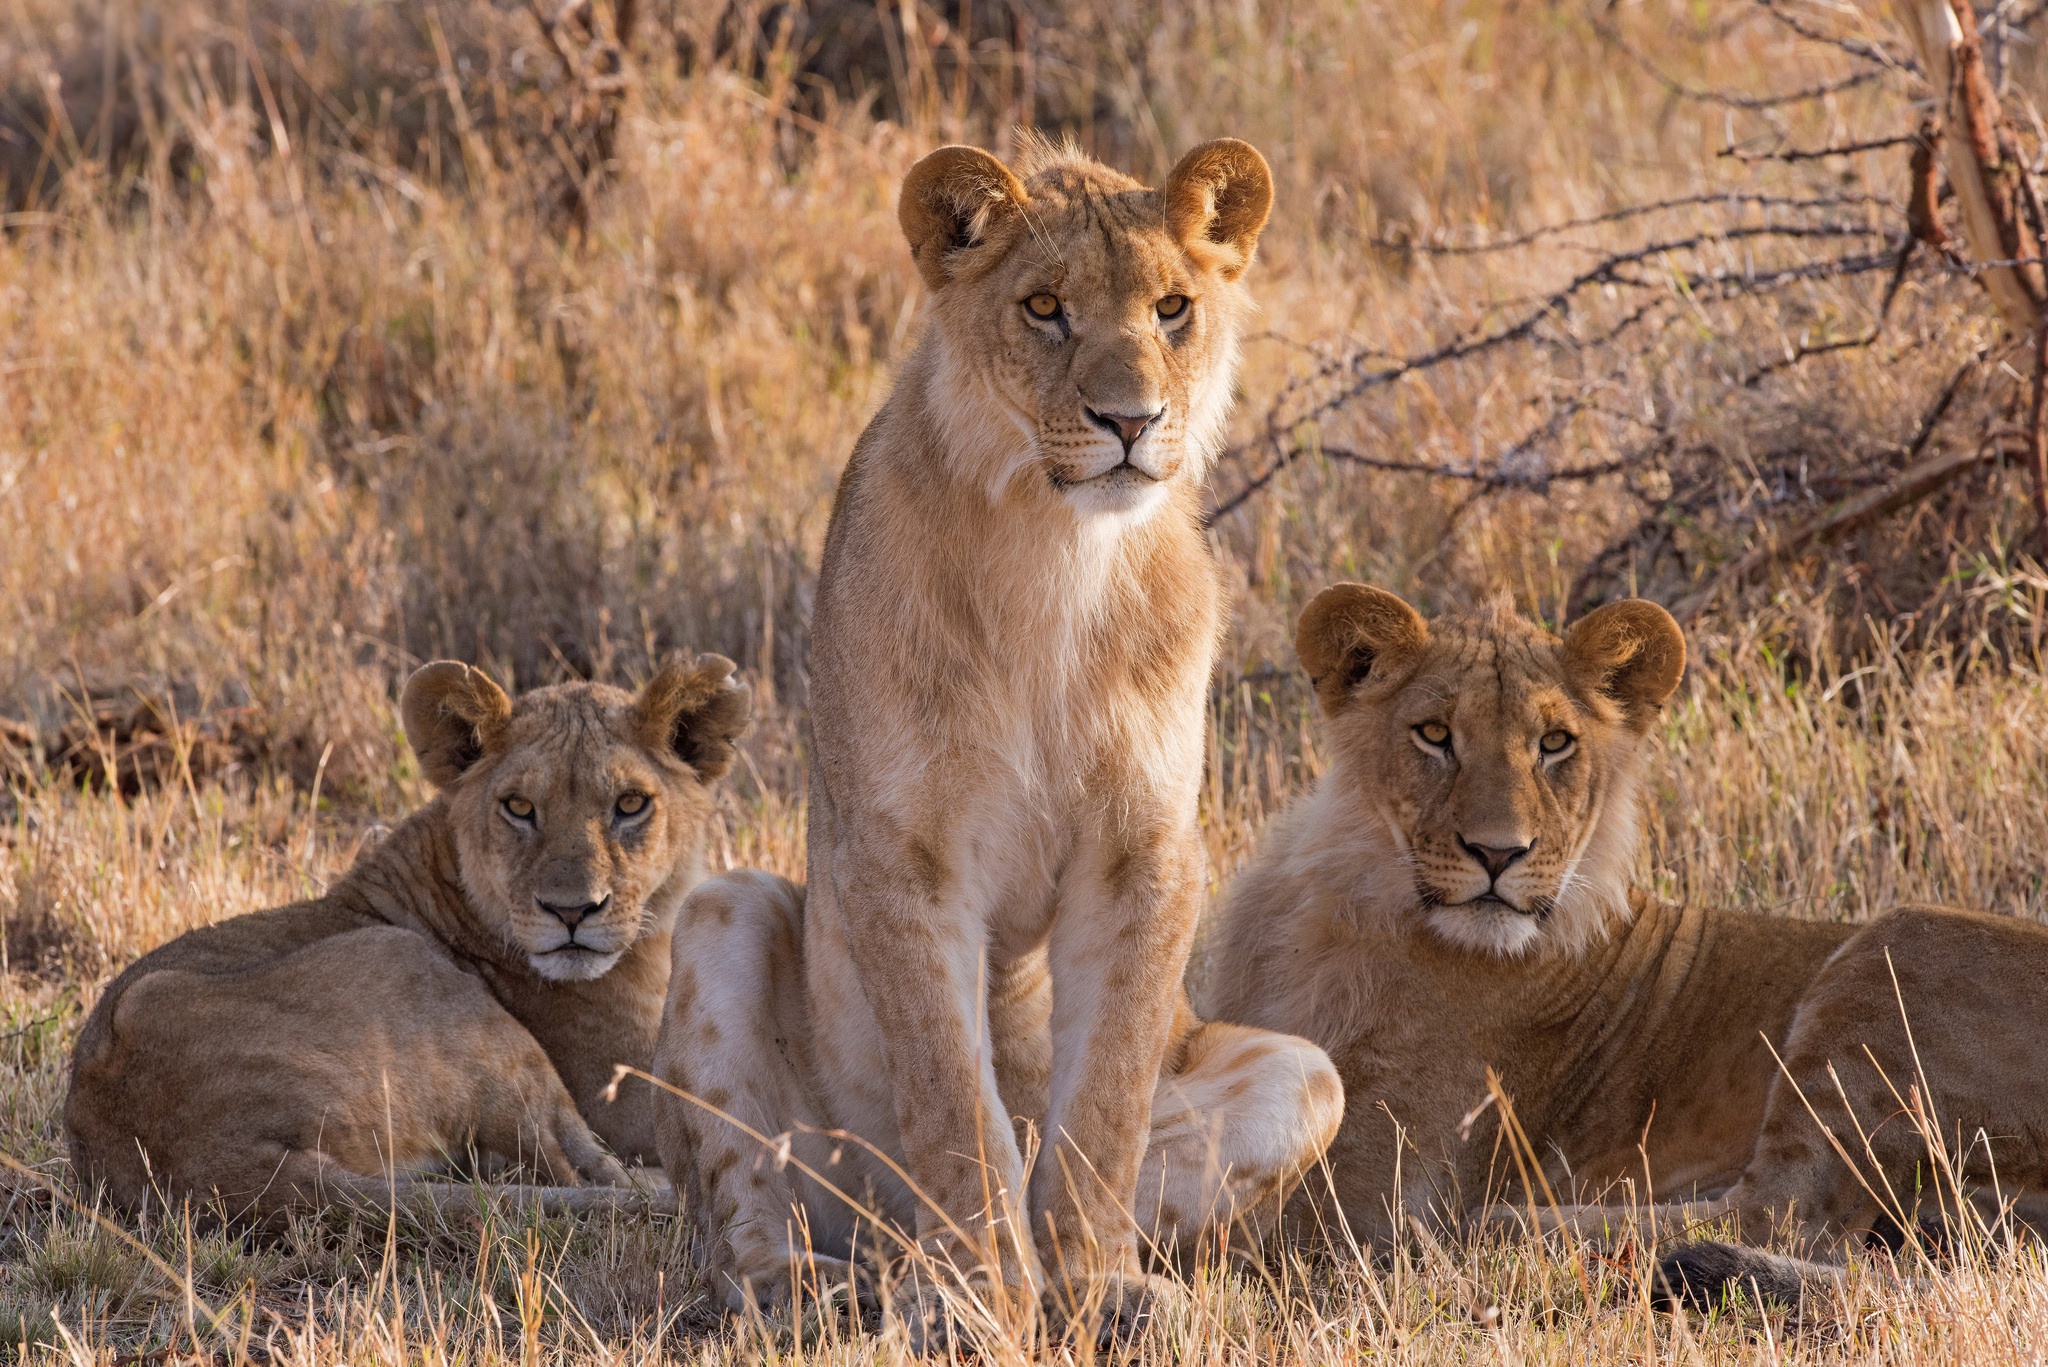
(735, 1043)
(1234, 1128)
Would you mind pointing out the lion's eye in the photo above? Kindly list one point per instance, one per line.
(1556, 742)
(1043, 305)
(1173, 306)
(632, 804)
(1434, 733)
(519, 809)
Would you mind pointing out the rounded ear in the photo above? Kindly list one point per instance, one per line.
(1220, 194)
(954, 199)
(454, 716)
(1632, 651)
(1349, 632)
(697, 711)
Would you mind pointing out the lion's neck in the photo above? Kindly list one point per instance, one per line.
(956, 509)
(413, 879)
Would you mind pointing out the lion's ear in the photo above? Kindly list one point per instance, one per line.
(1220, 193)
(954, 200)
(454, 715)
(1350, 633)
(697, 710)
(1632, 651)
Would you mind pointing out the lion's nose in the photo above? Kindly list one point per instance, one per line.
(1495, 859)
(574, 914)
(1126, 428)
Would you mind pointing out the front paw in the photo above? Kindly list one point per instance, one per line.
(938, 1312)
(820, 1278)
(1115, 1307)
(925, 1316)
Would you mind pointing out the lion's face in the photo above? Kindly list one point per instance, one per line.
(1093, 321)
(578, 811)
(1502, 761)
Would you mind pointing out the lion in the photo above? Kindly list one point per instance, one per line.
(458, 1000)
(1015, 617)
(1449, 914)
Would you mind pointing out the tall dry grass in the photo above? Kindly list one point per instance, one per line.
(300, 388)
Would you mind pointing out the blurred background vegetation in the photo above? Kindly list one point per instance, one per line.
(338, 335)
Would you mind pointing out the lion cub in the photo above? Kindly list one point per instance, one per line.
(1454, 897)
(1016, 614)
(465, 989)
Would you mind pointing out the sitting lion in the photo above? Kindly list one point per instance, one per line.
(1016, 615)
(1454, 898)
(462, 994)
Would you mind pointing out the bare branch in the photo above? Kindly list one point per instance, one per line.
(1732, 199)
(1720, 97)
(1855, 47)
(1918, 481)
(1847, 149)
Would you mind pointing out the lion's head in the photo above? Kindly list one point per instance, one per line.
(1502, 762)
(579, 810)
(1087, 326)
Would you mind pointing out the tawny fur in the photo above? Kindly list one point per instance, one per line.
(1633, 1039)
(1015, 619)
(1238, 1114)
(430, 1007)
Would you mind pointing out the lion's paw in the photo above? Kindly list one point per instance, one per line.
(822, 1279)
(1116, 1307)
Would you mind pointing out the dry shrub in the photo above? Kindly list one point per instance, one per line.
(126, 99)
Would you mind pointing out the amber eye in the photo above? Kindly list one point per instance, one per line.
(1434, 733)
(1043, 305)
(519, 809)
(632, 804)
(1556, 742)
(1173, 306)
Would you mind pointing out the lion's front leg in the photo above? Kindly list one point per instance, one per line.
(917, 947)
(1119, 943)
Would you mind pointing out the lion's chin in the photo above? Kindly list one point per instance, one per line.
(574, 963)
(1122, 492)
(1487, 925)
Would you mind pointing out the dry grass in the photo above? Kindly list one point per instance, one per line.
(277, 424)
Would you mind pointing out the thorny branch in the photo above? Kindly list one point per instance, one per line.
(1722, 97)
(1856, 47)
(1845, 149)
(1732, 199)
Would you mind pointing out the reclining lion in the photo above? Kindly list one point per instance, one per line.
(1454, 898)
(461, 994)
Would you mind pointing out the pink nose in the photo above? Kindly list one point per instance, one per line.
(573, 914)
(1127, 428)
(1494, 858)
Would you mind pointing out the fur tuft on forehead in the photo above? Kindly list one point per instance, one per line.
(1495, 622)
(1037, 153)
